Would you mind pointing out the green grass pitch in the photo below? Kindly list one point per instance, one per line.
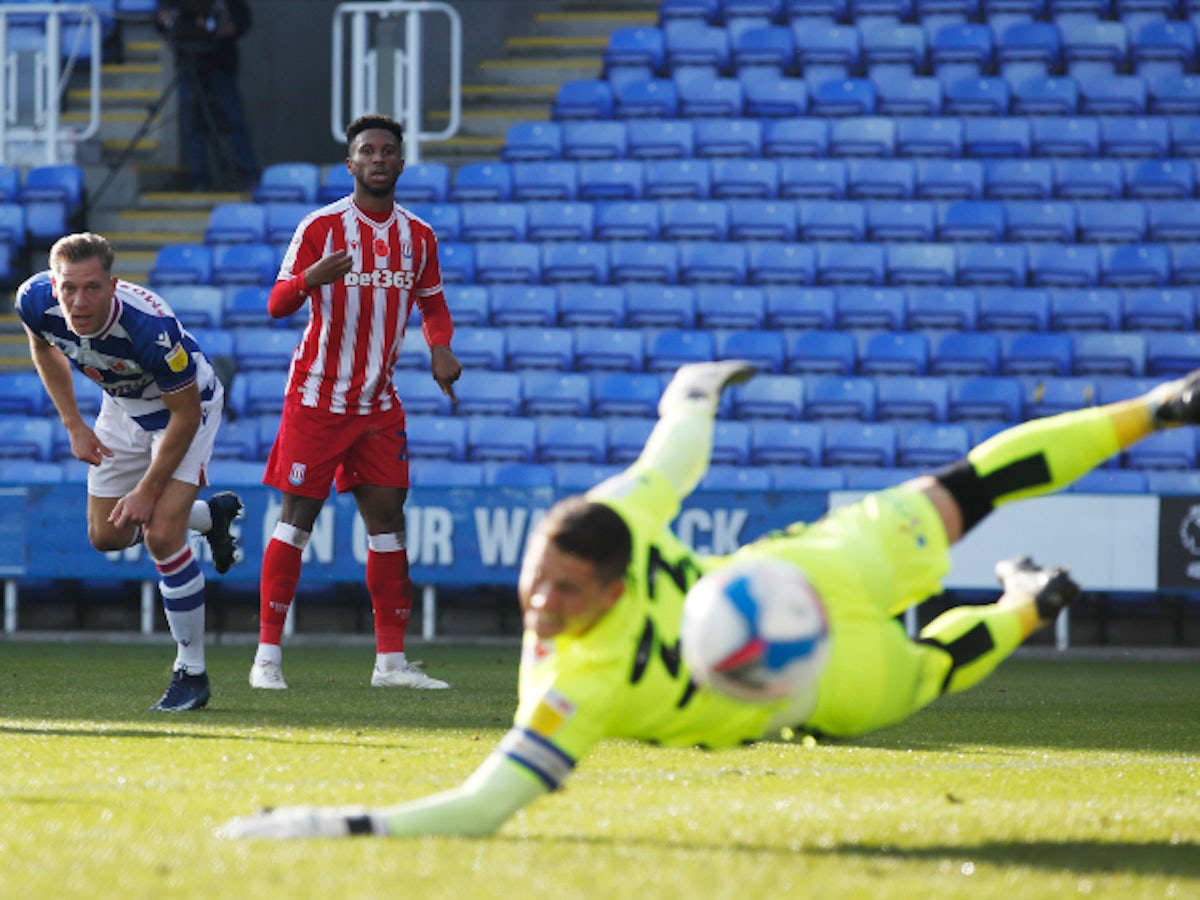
(1056, 777)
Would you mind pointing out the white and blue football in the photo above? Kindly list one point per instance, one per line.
(755, 630)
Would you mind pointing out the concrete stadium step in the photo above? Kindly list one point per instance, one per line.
(592, 24)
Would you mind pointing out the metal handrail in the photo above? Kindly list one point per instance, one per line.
(364, 68)
(50, 81)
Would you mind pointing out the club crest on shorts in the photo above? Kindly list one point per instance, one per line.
(296, 476)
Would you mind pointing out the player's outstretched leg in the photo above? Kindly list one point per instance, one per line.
(703, 383)
(1178, 402)
(225, 507)
(184, 693)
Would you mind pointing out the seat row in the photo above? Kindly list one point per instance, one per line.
(36, 208)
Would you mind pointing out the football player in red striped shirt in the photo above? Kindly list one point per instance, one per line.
(360, 263)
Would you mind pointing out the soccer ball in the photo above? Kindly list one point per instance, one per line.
(755, 630)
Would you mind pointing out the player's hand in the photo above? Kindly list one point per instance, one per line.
(87, 447)
(290, 822)
(446, 370)
(328, 269)
(135, 508)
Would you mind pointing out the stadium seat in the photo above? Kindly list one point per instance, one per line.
(1100, 353)
(583, 98)
(560, 221)
(900, 220)
(291, 181)
(893, 49)
(842, 97)
(660, 139)
(931, 446)
(539, 348)
(862, 136)
(1040, 220)
(756, 220)
(25, 437)
(571, 439)
(1070, 266)
(1135, 265)
(230, 223)
(837, 397)
(1162, 46)
(283, 218)
(1044, 95)
(1185, 263)
(421, 395)
(481, 348)
(734, 478)
(961, 48)
(1173, 94)
(1049, 396)
(653, 306)
(992, 264)
(444, 218)
(822, 352)
(544, 180)
(769, 397)
(1085, 310)
(1088, 179)
(1113, 221)
(532, 141)
(922, 136)
(907, 398)
(747, 178)
(920, 264)
(582, 477)
(890, 354)
(860, 444)
(833, 221)
(626, 220)
(1004, 138)
(567, 261)
(676, 178)
(667, 350)
(1159, 179)
(456, 259)
(1066, 136)
(196, 305)
(1111, 481)
(608, 179)
(237, 439)
(621, 349)
(965, 353)
(977, 398)
(590, 305)
(436, 437)
(1112, 95)
(948, 179)
(815, 479)
(336, 182)
(867, 308)
(908, 96)
(481, 182)
(730, 443)
(494, 439)
(1019, 179)
(21, 393)
(775, 98)
(594, 140)
(779, 443)
(712, 262)
(723, 307)
(621, 394)
(264, 347)
(693, 220)
(700, 48)
(1171, 449)
(1093, 47)
(1170, 354)
(722, 137)
(935, 309)
(1027, 48)
(1142, 136)
(812, 179)
(182, 264)
(234, 264)
(1013, 309)
(971, 221)
(1037, 354)
(531, 305)
(775, 263)
(705, 97)
(499, 394)
(509, 261)
(976, 96)
(258, 393)
(626, 439)
(792, 306)
(880, 179)
(861, 264)
(650, 261)
(645, 98)
(795, 137)
(1158, 309)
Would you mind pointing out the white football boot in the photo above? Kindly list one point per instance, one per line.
(268, 676)
(408, 675)
(702, 383)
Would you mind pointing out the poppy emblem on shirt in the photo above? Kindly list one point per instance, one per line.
(296, 476)
(381, 247)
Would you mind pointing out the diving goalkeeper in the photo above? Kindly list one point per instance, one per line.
(603, 583)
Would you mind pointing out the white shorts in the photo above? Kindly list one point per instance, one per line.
(133, 449)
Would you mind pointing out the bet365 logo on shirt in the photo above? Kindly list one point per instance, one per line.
(380, 278)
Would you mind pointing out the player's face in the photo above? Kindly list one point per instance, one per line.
(376, 162)
(84, 291)
(560, 593)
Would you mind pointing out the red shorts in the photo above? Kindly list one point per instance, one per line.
(315, 447)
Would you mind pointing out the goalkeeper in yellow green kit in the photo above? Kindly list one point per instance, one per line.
(603, 583)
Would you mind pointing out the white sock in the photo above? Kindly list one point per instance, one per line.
(268, 653)
(187, 628)
(387, 662)
(200, 518)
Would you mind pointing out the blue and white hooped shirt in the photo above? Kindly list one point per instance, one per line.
(140, 354)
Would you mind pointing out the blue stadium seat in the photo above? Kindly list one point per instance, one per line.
(1170, 353)
(709, 98)
(965, 353)
(1172, 94)
(244, 264)
(421, 395)
(992, 264)
(1066, 136)
(517, 304)
(291, 181)
(1005, 138)
(1161, 45)
(920, 264)
(775, 263)
(539, 348)
(655, 306)
(930, 446)
(593, 140)
(1070, 266)
(1113, 221)
(677, 178)
(1085, 310)
(436, 437)
(1088, 179)
(723, 307)
(622, 394)
(735, 478)
(1100, 353)
(1027, 48)
(1037, 354)
(509, 261)
(961, 48)
(609, 179)
(816, 479)
(1013, 309)
(1183, 134)
(711, 262)
(1158, 309)
(880, 179)
(440, 473)
(626, 438)
(888, 354)
(622, 349)
(822, 353)
(196, 305)
(889, 50)
(626, 220)
(258, 393)
(769, 397)
(812, 179)
(645, 98)
(1143, 136)
(1173, 449)
(1044, 95)
(773, 97)
(795, 137)
(838, 397)
(583, 98)
(731, 443)
(581, 477)
(693, 220)
(27, 472)
(699, 48)
(842, 97)
(1040, 220)
(230, 223)
(1185, 263)
(1135, 265)
(494, 221)
(636, 46)
(936, 309)
(264, 347)
(238, 439)
(900, 220)
(283, 218)
(867, 308)
(1111, 481)
(21, 393)
(10, 180)
(1169, 482)
(1112, 95)
(949, 179)
(976, 96)
(660, 139)
(552, 220)
(444, 218)
(481, 182)
(499, 394)
(667, 350)
(653, 261)
(571, 439)
(767, 49)
(494, 439)
(976, 398)
(792, 306)
(247, 305)
(456, 259)
(860, 444)
(836, 220)
(720, 136)
(1159, 179)
(336, 182)
(55, 183)
(921, 136)
(1049, 396)
(778, 443)
(590, 305)
(862, 136)
(481, 348)
(1093, 47)
(544, 180)
(531, 141)
(971, 221)
(25, 437)
(759, 220)
(182, 264)
(747, 178)
(850, 264)
(908, 398)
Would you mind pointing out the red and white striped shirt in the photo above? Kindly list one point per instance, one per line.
(349, 348)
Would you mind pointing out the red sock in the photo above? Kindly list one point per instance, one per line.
(391, 598)
(277, 588)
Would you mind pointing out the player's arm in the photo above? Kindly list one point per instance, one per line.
(54, 369)
(484, 802)
(137, 507)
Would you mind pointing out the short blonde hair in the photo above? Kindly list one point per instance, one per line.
(78, 247)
